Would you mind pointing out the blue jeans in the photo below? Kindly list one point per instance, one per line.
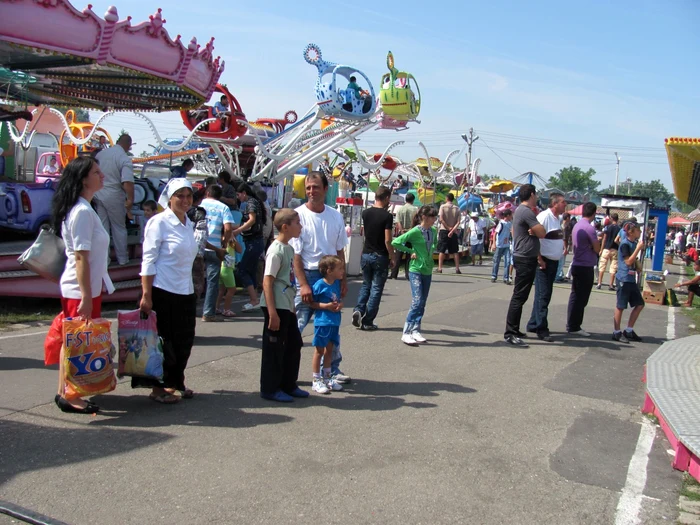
(375, 270)
(248, 267)
(420, 288)
(560, 268)
(505, 253)
(544, 283)
(213, 271)
(305, 313)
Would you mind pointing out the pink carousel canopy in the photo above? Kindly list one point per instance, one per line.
(51, 53)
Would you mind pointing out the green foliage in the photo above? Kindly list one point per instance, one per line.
(654, 190)
(682, 206)
(574, 178)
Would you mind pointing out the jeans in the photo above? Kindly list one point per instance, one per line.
(581, 287)
(560, 269)
(248, 267)
(544, 283)
(305, 313)
(505, 253)
(420, 288)
(525, 270)
(375, 270)
(213, 272)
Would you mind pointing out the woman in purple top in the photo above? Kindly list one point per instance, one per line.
(586, 249)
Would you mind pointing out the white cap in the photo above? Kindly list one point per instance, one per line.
(171, 187)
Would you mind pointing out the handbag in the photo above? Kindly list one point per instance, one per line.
(46, 257)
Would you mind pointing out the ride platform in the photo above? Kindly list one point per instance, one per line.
(673, 396)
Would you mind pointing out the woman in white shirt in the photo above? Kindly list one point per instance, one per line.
(169, 250)
(87, 250)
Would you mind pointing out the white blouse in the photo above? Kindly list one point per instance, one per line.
(169, 249)
(82, 230)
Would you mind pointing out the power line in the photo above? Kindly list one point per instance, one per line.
(501, 158)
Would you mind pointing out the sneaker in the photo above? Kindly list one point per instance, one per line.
(332, 384)
(408, 339)
(598, 286)
(319, 386)
(278, 396)
(342, 378)
(580, 332)
(248, 307)
(418, 338)
(507, 281)
(356, 318)
(298, 392)
(369, 327)
(545, 336)
(493, 279)
(619, 337)
(211, 319)
(515, 341)
(632, 336)
(612, 288)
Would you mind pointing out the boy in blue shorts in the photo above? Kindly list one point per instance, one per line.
(327, 303)
(627, 291)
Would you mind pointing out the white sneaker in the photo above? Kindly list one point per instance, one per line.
(319, 386)
(581, 333)
(341, 378)
(332, 384)
(418, 338)
(408, 339)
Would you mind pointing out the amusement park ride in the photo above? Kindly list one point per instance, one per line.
(97, 63)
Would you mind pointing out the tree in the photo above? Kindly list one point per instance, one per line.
(574, 178)
(682, 206)
(654, 191)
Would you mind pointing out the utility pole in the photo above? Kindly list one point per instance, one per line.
(469, 139)
(628, 181)
(617, 172)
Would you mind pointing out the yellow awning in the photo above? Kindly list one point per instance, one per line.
(684, 162)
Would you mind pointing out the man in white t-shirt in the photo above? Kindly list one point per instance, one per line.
(322, 233)
(115, 199)
(551, 250)
(678, 241)
(51, 168)
(477, 234)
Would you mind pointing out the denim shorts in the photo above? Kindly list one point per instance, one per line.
(326, 334)
(628, 293)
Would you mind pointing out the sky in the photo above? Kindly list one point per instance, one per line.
(545, 84)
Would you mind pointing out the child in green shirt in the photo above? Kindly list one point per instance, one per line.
(281, 344)
(423, 239)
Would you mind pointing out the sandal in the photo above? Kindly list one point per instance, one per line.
(166, 399)
(228, 313)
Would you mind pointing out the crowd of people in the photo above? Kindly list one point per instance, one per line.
(191, 247)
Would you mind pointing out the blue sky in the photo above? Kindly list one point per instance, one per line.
(545, 84)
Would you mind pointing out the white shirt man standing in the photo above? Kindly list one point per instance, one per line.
(551, 251)
(323, 233)
(115, 199)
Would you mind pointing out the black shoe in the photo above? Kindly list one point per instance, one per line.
(619, 337)
(515, 341)
(356, 318)
(545, 337)
(521, 335)
(369, 327)
(612, 288)
(632, 336)
(65, 406)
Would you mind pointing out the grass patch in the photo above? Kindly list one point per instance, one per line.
(690, 488)
(652, 418)
(14, 310)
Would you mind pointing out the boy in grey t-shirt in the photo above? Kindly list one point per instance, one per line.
(281, 344)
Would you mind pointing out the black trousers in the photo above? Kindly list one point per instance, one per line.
(281, 354)
(581, 286)
(401, 259)
(525, 271)
(176, 317)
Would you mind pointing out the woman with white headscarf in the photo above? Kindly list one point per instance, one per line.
(169, 249)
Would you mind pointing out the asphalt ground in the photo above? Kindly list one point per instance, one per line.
(464, 429)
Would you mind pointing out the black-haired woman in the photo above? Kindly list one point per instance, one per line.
(87, 250)
(252, 231)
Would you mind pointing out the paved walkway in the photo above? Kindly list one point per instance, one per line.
(462, 430)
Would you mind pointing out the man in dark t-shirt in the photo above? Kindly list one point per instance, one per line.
(527, 232)
(377, 258)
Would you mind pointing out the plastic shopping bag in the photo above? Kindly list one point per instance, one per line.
(140, 348)
(53, 341)
(87, 357)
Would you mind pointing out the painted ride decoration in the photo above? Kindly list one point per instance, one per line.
(349, 102)
(399, 101)
(99, 139)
